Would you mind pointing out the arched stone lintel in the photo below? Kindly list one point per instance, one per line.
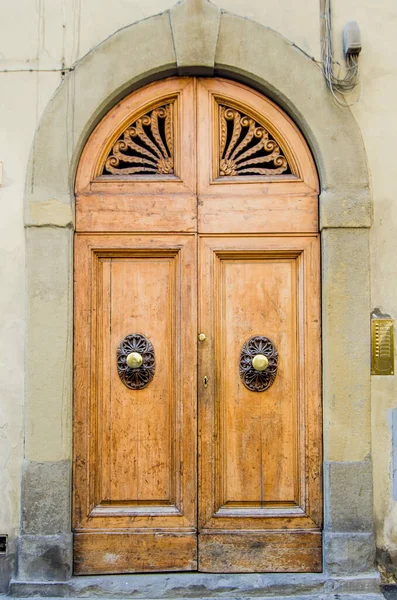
(236, 47)
(195, 44)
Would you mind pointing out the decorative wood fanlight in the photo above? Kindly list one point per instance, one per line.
(145, 147)
(246, 147)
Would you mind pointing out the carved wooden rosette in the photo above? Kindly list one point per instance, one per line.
(246, 147)
(137, 378)
(145, 147)
(258, 381)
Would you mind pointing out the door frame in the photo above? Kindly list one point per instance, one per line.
(295, 83)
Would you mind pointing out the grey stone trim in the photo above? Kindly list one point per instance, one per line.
(195, 45)
(349, 553)
(346, 344)
(366, 583)
(8, 564)
(45, 557)
(49, 369)
(348, 493)
(350, 207)
(203, 585)
(46, 501)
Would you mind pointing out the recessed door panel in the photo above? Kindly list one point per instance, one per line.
(257, 441)
(138, 298)
(136, 425)
(259, 449)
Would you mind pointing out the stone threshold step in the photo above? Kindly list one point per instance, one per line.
(181, 586)
(359, 596)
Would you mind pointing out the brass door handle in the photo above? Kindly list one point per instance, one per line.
(134, 360)
(260, 362)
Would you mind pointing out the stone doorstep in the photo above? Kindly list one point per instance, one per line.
(204, 585)
(299, 597)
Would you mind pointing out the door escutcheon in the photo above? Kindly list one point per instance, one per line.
(258, 363)
(136, 362)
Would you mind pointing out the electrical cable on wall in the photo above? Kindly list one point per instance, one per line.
(341, 80)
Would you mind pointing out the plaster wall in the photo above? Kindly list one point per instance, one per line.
(39, 42)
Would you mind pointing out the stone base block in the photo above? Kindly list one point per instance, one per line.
(348, 554)
(366, 584)
(45, 557)
(7, 565)
(49, 513)
(348, 496)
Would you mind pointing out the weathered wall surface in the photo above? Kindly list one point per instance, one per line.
(40, 40)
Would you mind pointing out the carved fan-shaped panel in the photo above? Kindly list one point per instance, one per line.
(246, 147)
(146, 146)
(205, 155)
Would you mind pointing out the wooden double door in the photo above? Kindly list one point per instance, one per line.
(197, 415)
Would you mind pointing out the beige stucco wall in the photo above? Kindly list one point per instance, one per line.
(40, 39)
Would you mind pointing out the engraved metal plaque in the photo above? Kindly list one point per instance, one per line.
(382, 334)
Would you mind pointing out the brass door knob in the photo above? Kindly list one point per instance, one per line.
(134, 360)
(260, 362)
(202, 337)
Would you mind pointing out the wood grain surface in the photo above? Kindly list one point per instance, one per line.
(260, 552)
(135, 450)
(240, 488)
(143, 552)
(260, 452)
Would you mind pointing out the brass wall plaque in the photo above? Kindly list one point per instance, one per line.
(382, 333)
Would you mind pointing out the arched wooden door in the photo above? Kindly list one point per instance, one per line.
(197, 416)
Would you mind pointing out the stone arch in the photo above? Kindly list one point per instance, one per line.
(102, 77)
(196, 38)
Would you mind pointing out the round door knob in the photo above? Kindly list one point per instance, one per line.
(134, 360)
(260, 362)
(202, 337)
